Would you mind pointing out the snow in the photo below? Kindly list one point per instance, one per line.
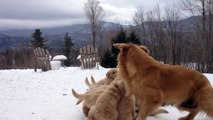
(79, 57)
(59, 57)
(55, 65)
(29, 95)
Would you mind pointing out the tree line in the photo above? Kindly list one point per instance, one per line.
(169, 38)
(173, 41)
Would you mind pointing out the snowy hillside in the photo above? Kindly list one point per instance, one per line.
(29, 95)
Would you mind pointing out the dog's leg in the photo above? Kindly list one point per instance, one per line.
(190, 105)
(150, 102)
(92, 113)
(192, 113)
(85, 110)
(146, 108)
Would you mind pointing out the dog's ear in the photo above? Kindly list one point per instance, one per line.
(144, 48)
(122, 46)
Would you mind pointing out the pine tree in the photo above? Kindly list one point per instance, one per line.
(133, 38)
(119, 38)
(67, 48)
(38, 40)
(109, 58)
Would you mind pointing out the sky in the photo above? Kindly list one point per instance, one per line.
(24, 14)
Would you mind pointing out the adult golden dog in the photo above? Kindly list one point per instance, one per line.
(156, 84)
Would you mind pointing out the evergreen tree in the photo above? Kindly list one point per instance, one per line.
(38, 40)
(109, 58)
(67, 48)
(133, 38)
(119, 38)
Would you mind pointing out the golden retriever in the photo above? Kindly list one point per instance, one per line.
(126, 106)
(156, 84)
(110, 76)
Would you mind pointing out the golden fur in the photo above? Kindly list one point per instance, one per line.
(106, 105)
(110, 76)
(156, 84)
(91, 85)
(126, 106)
(89, 98)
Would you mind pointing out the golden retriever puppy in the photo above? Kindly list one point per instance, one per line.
(89, 98)
(106, 105)
(156, 84)
(110, 76)
(112, 73)
(126, 106)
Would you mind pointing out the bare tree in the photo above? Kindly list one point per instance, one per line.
(139, 21)
(159, 41)
(174, 30)
(150, 27)
(203, 30)
(94, 13)
(150, 18)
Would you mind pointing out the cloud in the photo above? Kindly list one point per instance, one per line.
(146, 4)
(40, 13)
(121, 14)
(40, 9)
(49, 13)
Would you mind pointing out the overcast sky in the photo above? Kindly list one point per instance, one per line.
(50, 13)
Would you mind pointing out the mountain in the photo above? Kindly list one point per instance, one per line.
(79, 28)
(80, 34)
(6, 42)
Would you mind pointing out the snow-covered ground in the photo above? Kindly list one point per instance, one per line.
(29, 95)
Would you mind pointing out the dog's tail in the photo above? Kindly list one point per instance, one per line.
(87, 82)
(92, 84)
(79, 96)
(93, 80)
(205, 100)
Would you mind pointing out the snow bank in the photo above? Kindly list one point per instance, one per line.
(29, 95)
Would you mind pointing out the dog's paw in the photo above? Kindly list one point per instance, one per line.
(158, 111)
